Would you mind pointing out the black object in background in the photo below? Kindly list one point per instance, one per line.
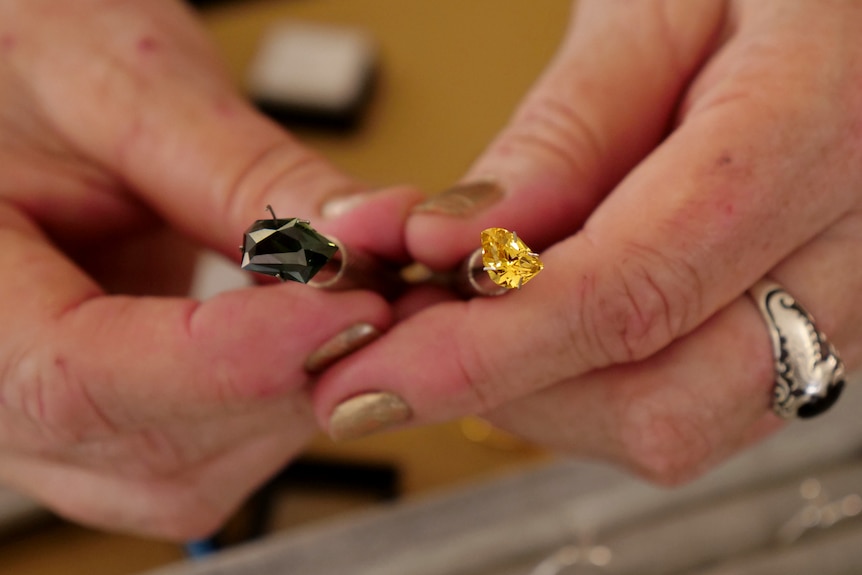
(313, 74)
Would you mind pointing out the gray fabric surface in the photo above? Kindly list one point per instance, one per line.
(506, 526)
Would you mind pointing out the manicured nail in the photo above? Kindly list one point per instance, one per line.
(416, 273)
(462, 200)
(367, 414)
(355, 337)
(340, 205)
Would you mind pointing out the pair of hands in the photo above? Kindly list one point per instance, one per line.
(672, 154)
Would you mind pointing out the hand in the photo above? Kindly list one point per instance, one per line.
(155, 415)
(672, 154)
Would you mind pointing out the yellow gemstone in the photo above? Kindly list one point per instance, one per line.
(507, 259)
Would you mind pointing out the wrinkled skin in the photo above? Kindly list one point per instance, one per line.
(155, 415)
(672, 154)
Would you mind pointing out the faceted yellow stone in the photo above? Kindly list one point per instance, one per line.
(507, 259)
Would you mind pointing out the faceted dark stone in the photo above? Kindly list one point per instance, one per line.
(289, 249)
(816, 406)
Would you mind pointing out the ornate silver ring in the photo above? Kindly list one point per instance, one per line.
(809, 375)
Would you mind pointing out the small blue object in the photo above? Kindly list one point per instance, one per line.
(201, 548)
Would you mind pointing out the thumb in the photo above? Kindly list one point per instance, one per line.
(599, 108)
(157, 108)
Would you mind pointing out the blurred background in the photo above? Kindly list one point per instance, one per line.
(447, 75)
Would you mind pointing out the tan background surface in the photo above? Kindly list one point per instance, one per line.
(452, 72)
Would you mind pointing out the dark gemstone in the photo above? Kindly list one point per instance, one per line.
(818, 405)
(289, 249)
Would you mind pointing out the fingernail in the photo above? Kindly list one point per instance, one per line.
(416, 273)
(367, 414)
(462, 200)
(340, 205)
(343, 344)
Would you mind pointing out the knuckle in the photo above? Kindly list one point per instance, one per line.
(492, 365)
(642, 305)
(255, 178)
(42, 386)
(664, 447)
(551, 127)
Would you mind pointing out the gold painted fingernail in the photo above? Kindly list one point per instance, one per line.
(367, 414)
(462, 200)
(343, 344)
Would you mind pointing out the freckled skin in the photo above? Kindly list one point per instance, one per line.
(7, 42)
(225, 108)
(147, 44)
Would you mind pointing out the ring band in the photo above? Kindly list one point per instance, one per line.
(352, 269)
(472, 280)
(809, 375)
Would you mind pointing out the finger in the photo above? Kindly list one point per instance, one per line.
(653, 261)
(599, 108)
(166, 118)
(669, 416)
(82, 365)
(824, 277)
(177, 479)
(685, 409)
(189, 504)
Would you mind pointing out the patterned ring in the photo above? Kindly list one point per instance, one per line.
(809, 375)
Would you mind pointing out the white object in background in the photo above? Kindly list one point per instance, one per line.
(215, 274)
(313, 67)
